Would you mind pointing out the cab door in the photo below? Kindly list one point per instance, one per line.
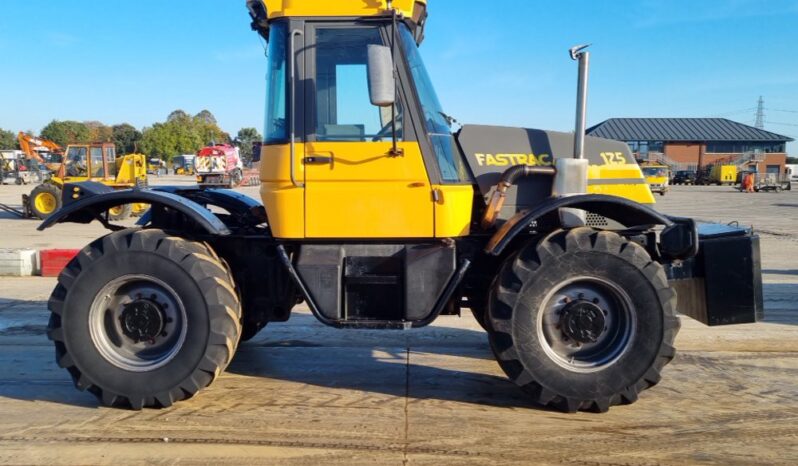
(354, 186)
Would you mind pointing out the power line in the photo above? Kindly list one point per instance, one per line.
(780, 123)
(782, 110)
(736, 112)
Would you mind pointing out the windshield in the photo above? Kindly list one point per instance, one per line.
(276, 129)
(654, 171)
(448, 156)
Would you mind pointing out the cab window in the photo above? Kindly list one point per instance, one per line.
(276, 130)
(110, 160)
(450, 161)
(343, 108)
(76, 162)
(96, 162)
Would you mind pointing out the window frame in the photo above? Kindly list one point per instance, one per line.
(93, 172)
(290, 26)
(307, 76)
(414, 127)
(427, 149)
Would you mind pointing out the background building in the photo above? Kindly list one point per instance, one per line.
(692, 143)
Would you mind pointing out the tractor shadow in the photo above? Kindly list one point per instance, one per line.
(441, 363)
(781, 300)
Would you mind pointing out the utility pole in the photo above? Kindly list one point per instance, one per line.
(760, 114)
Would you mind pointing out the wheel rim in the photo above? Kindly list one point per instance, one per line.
(138, 323)
(45, 203)
(586, 324)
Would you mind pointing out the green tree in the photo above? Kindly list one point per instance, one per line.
(210, 133)
(792, 160)
(207, 117)
(8, 140)
(244, 140)
(157, 141)
(64, 133)
(181, 134)
(127, 138)
(177, 115)
(98, 132)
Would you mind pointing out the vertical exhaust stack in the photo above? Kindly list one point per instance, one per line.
(580, 54)
(571, 176)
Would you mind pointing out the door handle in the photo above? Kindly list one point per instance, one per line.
(317, 159)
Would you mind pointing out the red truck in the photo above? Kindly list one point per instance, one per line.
(219, 166)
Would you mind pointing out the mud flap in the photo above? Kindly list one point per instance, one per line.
(722, 285)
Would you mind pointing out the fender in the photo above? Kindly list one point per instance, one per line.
(621, 210)
(85, 202)
(244, 210)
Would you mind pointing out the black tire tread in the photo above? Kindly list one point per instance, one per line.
(505, 293)
(218, 290)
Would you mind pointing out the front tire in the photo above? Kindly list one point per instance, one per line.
(582, 320)
(45, 200)
(143, 319)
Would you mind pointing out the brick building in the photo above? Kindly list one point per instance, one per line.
(690, 143)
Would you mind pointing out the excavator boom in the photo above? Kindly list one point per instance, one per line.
(42, 150)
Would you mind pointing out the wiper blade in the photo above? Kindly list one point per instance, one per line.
(450, 120)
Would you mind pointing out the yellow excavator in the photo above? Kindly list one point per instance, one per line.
(90, 162)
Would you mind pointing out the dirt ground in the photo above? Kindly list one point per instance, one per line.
(302, 393)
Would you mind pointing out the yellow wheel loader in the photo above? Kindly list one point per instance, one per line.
(657, 176)
(379, 215)
(90, 162)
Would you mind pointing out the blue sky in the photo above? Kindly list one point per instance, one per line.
(136, 61)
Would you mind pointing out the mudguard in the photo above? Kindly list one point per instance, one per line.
(87, 201)
(244, 210)
(621, 210)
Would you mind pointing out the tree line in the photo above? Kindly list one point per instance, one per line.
(181, 133)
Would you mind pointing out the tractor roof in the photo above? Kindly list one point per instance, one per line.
(313, 8)
(413, 12)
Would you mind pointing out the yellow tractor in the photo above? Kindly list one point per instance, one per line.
(91, 162)
(378, 214)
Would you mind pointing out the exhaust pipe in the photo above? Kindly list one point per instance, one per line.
(571, 176)
(508, 179)
(580, 54)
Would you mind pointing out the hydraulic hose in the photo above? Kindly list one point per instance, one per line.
(507, 180)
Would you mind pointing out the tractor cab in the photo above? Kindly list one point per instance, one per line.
(84, 162)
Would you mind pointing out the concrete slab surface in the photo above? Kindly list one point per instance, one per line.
(302, 393)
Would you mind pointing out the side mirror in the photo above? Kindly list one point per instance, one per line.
(382, 86)
(256, 146)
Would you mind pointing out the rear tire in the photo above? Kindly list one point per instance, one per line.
(236, 178)
(143, 319)
(582, 320)
(119, 213)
